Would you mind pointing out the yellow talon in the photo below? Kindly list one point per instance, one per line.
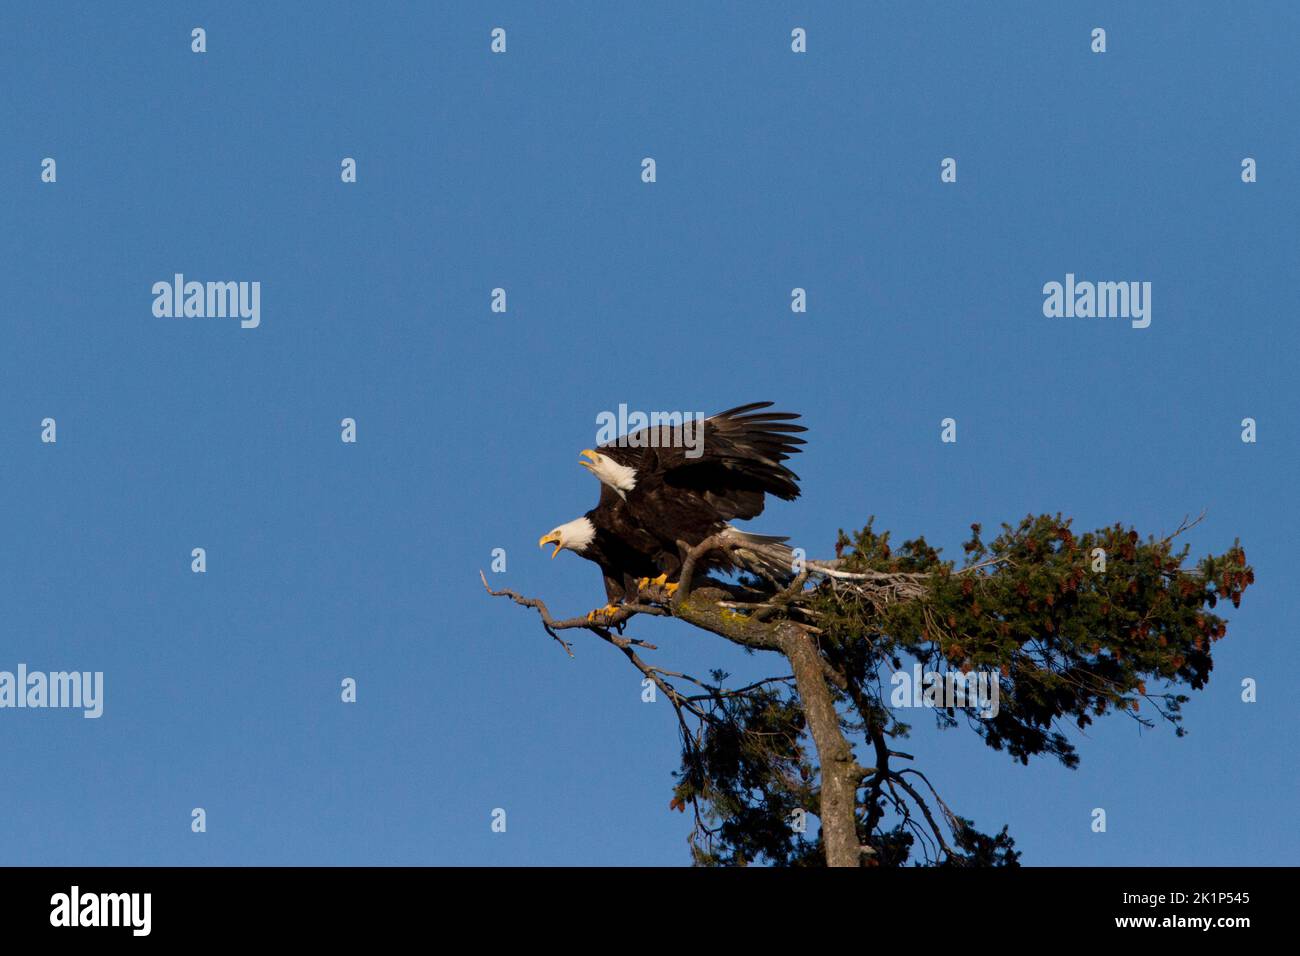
(600, 614)
(642, 583)
(661, 580)
(671, 588)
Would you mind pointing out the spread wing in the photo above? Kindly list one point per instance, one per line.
(736, 460)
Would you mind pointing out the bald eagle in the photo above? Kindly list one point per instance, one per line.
(663, 485)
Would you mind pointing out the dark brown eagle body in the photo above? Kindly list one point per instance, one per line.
(624, 551)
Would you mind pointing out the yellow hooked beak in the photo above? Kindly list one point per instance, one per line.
(551, 538)
(588, 453)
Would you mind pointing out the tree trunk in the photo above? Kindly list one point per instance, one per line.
(840, 773)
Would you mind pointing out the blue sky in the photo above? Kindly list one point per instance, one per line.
(522, 171)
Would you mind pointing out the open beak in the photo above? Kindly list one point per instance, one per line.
(588, 453)
(551, 539)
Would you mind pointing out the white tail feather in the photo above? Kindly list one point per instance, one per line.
(762, 554)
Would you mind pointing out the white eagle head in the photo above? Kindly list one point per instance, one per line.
(573, 535)
(619, 477)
